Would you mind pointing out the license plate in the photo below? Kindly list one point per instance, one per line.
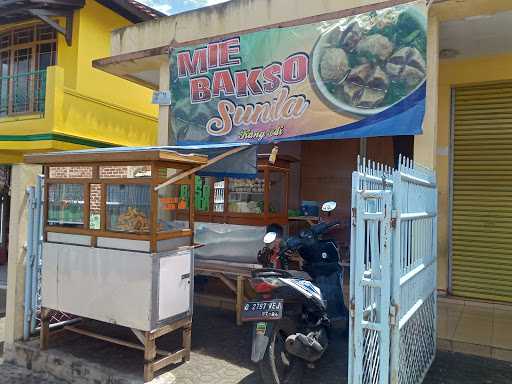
(262, 310)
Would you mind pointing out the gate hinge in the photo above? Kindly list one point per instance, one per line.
(393, 313)
(394, 215)
(352, 308)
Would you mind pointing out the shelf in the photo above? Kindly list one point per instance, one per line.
(55, 223)
(250, 193)
(304, 218)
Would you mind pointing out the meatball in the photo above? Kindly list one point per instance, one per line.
(376, 45)
(366, 86)
(407, 65)
(351, 36)
(334, 65)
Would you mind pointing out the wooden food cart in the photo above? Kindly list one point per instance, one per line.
(118, 251)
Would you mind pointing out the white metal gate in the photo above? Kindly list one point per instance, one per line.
(392, 274)
(34, 262)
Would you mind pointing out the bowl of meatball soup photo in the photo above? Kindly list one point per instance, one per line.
(364, 64)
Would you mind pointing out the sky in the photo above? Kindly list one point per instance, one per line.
(171, 7)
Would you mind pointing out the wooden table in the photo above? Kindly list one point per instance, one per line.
(231, 274)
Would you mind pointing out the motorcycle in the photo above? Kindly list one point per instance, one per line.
(295, 310)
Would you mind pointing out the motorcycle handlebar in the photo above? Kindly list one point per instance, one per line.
(324, 227)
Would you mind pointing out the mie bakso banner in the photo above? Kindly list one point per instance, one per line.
(359, 76)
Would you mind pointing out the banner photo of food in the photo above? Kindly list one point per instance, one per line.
(359, 76)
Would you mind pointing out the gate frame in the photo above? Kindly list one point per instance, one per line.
(415, 263)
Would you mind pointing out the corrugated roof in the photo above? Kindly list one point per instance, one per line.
(12, 11)
(132, 10)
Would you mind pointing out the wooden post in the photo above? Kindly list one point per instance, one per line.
(239, 299)
(187, 340)
(45, 328)
(149, 356)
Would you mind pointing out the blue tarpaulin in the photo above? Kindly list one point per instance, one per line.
(239, 165)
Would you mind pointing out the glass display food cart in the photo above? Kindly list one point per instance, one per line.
(257, 201)
(117, 250)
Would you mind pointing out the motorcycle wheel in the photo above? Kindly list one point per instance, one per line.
(278, 366)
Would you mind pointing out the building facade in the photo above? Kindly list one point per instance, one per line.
(466, 137)
(52, 99)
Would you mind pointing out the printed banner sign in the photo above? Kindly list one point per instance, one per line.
(359, 76)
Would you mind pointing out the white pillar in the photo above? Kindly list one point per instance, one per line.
(163, 118)
(22, 176)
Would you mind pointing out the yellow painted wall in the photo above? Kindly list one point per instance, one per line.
(451, 74)
(96, 23)
(83, 104)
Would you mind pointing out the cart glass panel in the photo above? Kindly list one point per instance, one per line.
(247, 195)
(174, 208)
(66, 205)
(277, 193)
(128, 208)
(203, 194)
(218, 196)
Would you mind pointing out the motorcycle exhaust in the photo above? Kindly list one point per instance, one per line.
(307, 347)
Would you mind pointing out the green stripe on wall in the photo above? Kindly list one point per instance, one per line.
(58, 137)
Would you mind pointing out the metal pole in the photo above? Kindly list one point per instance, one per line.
(352, 278)
(28, 264)
(36, 248)
(396, 274)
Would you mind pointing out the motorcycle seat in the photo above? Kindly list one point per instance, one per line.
(299, 274)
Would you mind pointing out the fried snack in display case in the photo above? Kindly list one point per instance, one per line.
(128, 208)
(111, 197)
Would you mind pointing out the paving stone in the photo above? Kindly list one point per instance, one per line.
(221, 355)
(11, 374)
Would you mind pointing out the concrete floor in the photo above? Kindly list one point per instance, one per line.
(221, 355)
(477, 328)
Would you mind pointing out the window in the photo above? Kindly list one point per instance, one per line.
(247, 195)
(174, 208)
(45, 32)
(277, 193)
(5, 65)
(5, 40)
(128, 208)
(203, 194)
(23, 36)
(218, 196)
(25, 54)
(66, 205)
